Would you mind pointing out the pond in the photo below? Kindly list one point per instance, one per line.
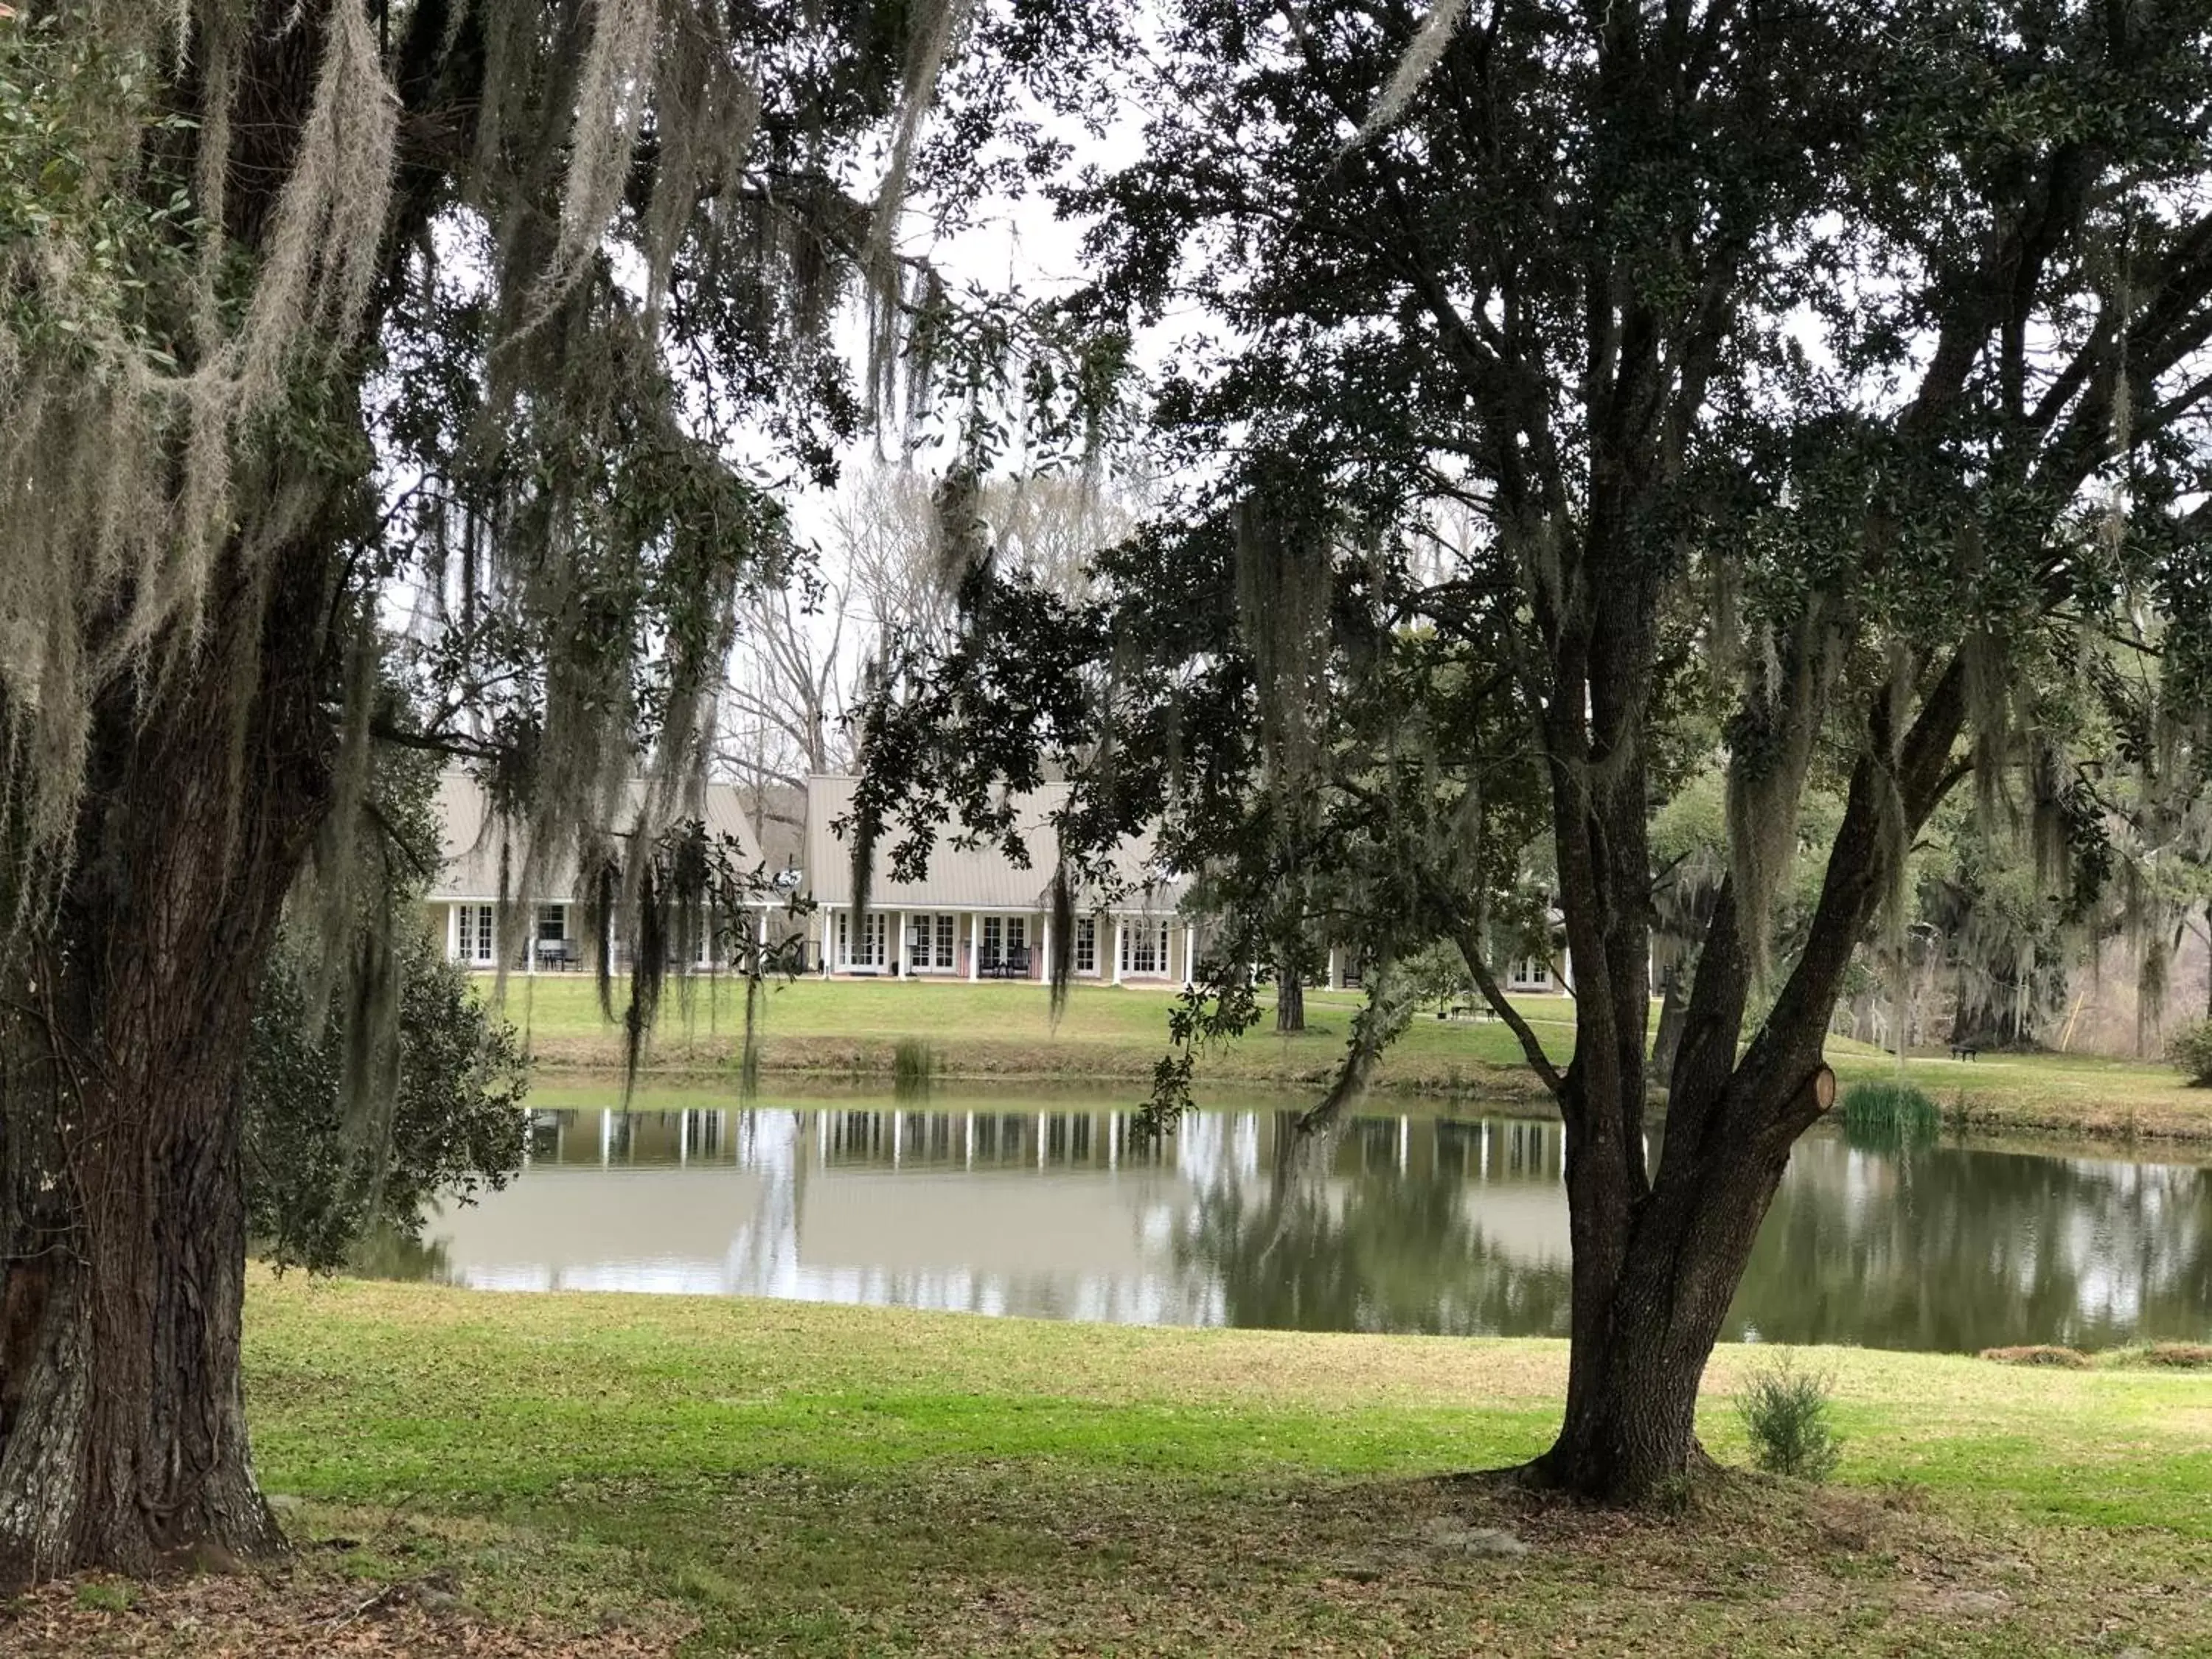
(1050, 1205)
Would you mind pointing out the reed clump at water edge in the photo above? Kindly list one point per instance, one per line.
(1889, 1116)
(915, 1065)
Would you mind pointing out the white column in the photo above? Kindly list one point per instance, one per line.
(1117, 950)
(1044, 947)
(1189, 955)
(905, 961)
(1335, 969)
(975, 946)
(529, 940)
(453, 933)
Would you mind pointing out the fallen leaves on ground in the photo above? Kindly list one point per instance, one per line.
(296, 1611)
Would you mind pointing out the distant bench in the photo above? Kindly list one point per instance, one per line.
(1964, 1050)
(1013, 964)
(1467, 1010)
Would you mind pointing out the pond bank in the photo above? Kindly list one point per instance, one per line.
(627, 1474)
(848, 1031)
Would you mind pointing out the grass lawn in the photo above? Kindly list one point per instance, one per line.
(847, 1029)
(472, 1473)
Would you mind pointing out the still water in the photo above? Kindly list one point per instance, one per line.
(1406, 1224)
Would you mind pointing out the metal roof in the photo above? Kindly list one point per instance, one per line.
(470, 844)
(972, 878)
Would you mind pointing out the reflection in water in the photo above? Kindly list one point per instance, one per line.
(1399, 1224)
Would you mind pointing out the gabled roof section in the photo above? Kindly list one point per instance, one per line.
(471, 843)
(971, 877)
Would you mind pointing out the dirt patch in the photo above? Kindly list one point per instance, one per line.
(1081, 1061)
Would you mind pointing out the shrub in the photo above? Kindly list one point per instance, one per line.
(2177, 1356)
(1785, 1413)
(1889, 1116)
(315, 1188)
(2190, 1050)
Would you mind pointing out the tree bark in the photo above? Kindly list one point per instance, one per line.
(1632, 1425)
(1289, 999)
(122, 1211)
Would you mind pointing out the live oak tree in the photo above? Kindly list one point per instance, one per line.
(1850, 358)
(314, 313)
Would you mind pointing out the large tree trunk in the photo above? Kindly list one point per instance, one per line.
(1290, 998)
(122, 1215)
(1641, 1343)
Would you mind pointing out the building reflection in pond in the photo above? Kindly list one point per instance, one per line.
(1399, 1224)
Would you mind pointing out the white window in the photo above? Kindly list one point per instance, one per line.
(929, 944)
(552, 923)
(476, 937)
(994, 937)
(1145, 948)
(1017, 935)
(1085, 952)
(865, 949)
(1533, 972)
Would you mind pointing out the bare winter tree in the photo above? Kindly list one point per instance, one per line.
(806, 650)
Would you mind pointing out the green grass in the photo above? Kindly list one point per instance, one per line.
(842, 1029)
(789, 1478)
(2070, 1094)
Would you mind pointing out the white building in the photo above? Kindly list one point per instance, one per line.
(977, 915)
(464, 898)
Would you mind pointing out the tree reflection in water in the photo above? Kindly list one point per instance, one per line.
(1939, 1248)
(1960, 1249)
(1342, 1239)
